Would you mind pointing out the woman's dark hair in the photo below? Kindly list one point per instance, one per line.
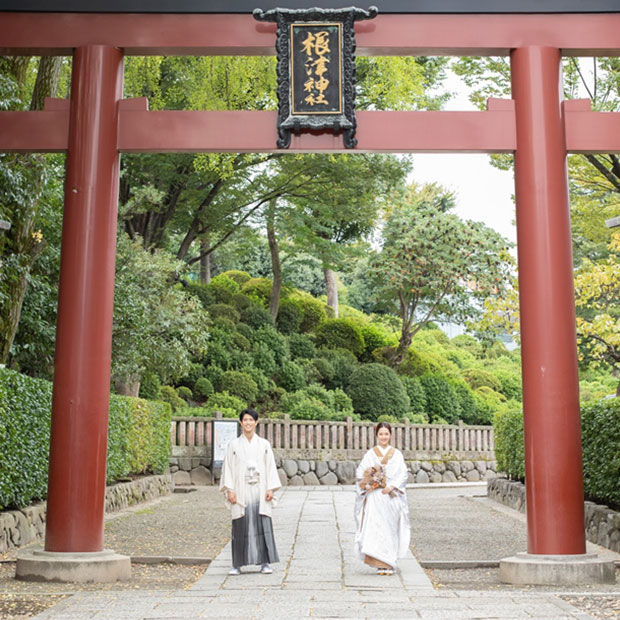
(249, 411)
(383, 425)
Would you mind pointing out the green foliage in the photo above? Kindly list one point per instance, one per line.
(390, 419)
(240, 277)
(301, 346)
(203, 388)
(263, 358)
(510, 384)
(473, 411)
(224, 311)
(290, 376)
(509, 450)
(416, 364)
(275, 341)
(343, 363)
(201, 292)
(314, 312)
(184, 392)
(241, 301)
(376, 390)
(258, 289)
(468, 343)
(221, 291)
(150, 385)
(290, 315)
(442, 400)
(476, 377)
(415, 391)
(341, 333)
(256, 317)
(169, 395)
(316, 400)
(325, 369)
(600, 427)
(228, 405)
(375, 336)
(239, 384)
(138, 437)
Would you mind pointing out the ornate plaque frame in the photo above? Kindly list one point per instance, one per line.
(293, 116)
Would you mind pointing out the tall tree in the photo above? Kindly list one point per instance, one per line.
(24, 183)
(435, 265)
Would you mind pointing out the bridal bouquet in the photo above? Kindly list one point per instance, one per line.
(373, 478)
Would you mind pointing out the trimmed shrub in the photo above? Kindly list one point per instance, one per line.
(376, 390)
(315, 312)
(203, 388)
(213, 373)
(221, 290)
(344, 364)
(468, 343)
(600, 427)
(341, 333)
(442, 400)
(169, 395)
(390, 419)
(476, 377)
(195, 372)
(290, 376)
(417, 396)
(138, 437)
(289, 316)
(256, 317)
(240, 277)
(239, 384)
(224, 310)
(184, 392)
(245, 330)
(263, 382)
(325, 369)
(150, 385)
(310, 372)
(275, 341)
(202, 292)
(511, 384)
(241, 301)
(258, 289)
(301, 346)
(228, 405)
(375, 337)
(241, 342)
(263, 358)
(509, 451)
(223, 281)
(416, 364)
(309, 409)
(471, 412)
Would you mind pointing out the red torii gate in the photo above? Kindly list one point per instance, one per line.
(97, 124)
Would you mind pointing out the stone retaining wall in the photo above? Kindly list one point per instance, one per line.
(21, 527)
(299, 472)
(602, 523)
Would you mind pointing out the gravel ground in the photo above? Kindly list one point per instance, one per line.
(191, 524)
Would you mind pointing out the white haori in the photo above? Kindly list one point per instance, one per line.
(382, 520)
(241, 457)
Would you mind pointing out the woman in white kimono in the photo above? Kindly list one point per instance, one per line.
(381, 510)
(249, 479)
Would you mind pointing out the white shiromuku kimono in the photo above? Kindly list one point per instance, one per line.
(382, 520)
(249, 469)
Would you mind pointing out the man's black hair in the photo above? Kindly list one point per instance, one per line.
(249, 411)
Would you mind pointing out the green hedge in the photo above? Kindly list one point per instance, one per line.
(600, 438)
(138, 437)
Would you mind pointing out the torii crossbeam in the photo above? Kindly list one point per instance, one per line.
(97, 124)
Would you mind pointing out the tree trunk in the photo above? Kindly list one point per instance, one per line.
(127, 386)
(276, 268)
(205, 262)
(21, 244)
(331, 282)
(403, 346)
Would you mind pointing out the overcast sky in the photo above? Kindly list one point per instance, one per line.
(483, 192)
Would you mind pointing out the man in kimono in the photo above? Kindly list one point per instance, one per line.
(249, 479)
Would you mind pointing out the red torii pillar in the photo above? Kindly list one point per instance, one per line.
(553, 456)
(77, 470)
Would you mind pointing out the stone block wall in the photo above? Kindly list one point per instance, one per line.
(299, 471)
(602, 523)
(22, 527)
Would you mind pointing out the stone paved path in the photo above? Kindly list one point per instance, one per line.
(317, 577)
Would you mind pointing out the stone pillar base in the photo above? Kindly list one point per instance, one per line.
(533, 569)
(103, 566)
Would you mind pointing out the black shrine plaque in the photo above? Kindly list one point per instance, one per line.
(316, 68)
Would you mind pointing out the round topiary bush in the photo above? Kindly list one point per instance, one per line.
(222, 289)
(203, 388)
(301, 346)
(341, 333)
(275, 341)
(415, 391)
(241, 301)
(315, 312)
(375, 337)
(416, 364)
(169, 395)
(150, 386)
(471, 412)
(240, 277)
(289, 316)
(238, 384)
(258, 289)
(442, 400)
(256, 317)
(223, 310)
(343, 363)
(290, 376)
(263, 358)
(184, 392)
(476, 377)
(377, 390)
(228, 405)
